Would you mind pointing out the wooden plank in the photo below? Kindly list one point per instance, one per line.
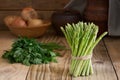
(52, 71)
(10, 71)
(6, 40)
(14, 4)
(60, 4)
(37, 4)
(43, 4)
(46, 15)
(113, 47)
(103, 69)
(42, 14)
(49, 4)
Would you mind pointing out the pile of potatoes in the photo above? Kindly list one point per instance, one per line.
(28, 18)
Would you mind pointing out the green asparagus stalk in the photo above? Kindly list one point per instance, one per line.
(81, 38)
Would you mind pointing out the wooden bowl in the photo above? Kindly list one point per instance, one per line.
(34, 31)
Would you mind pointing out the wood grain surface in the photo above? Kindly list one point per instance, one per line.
(102, 63)
(14, 4)
(113, 47)
(37, 4)
(10, 71)
(103, 69)
(49, 4)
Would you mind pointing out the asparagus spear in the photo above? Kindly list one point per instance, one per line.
(81, 38)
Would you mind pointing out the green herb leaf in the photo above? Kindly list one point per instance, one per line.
(29, 51)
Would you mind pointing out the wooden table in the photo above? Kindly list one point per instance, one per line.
(106, 62)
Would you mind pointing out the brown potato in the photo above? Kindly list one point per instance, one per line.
(35, 22)
(29, 13)
(18, 22)
(9, 19)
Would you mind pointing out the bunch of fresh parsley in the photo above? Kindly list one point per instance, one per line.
(29, 51)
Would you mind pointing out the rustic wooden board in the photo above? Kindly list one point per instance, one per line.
(45, 14)
(37, 4)
(113, 47)
(52, 71)
(103, 69)
(60, 4)
(14, 4)
(10, 71)
(49, 4)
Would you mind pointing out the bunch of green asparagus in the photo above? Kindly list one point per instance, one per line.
(82, 38)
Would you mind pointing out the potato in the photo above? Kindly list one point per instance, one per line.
(9, 19)
(35, 22)
(18, 22)
(29, 13)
